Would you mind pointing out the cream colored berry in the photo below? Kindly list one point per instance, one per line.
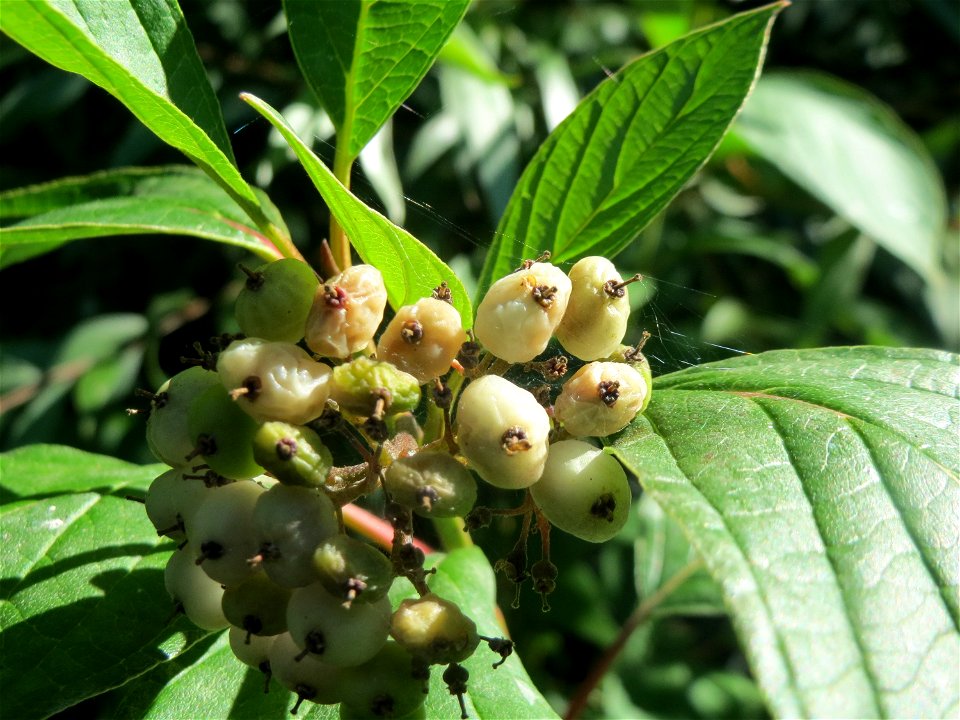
(596, 318)
(601, 399)
(434, 630)
(346, 312)
(503, 432)
(423, 338)
(518, 315)
(274, 380)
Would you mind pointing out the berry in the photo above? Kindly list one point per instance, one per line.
(295, 455)
(583, 491)
(274, 380)
(252, 650)
(382, 687)
(307, 676)
(346, 312)
(423, 339)
(171, 500)
(520, 312)
(503, 432)
(276, 299)
(257, 605)
(337, 635)
(220, 537)
(194, 591)
(434, 630)
(352, 570)
(364, 385)
(432, 484)
(288, 524)
(222, 434)
(601, 399)
(167, 432)
(596, 318)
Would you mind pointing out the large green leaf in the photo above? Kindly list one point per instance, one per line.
(142, 53)
(82, 603)
(821, 489)
(410, 269)
(176, 200)
(630, 146)
(364, 57)
(853, 153)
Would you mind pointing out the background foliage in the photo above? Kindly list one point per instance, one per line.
(762, 250)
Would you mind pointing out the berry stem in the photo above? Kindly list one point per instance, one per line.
(375, 529)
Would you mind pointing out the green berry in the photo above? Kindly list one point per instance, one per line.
(276, 299)
(295, 455)
(257, 605)
(432, 484)
(342, 636)
(223, 434)
(583, 491)
(503, 432)
(352, 570)
(363, 385)
(168, 434)
(172, 500)
(520, 312)
(252, 650)
(423, 339)
(346, 312)
(601, 399)
(274, 380)
(221, 534)
(382, 687)
(596, 317)
(307, 676)
(191, 588)
(434, 630)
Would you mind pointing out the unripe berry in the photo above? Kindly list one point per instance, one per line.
(503, 432)
(257, 605)
(295, 455)
(306, 675)
(168, 434)
(423, 339)
(346, 312)
(352, 570)
(172, 500)
(383, 687)
(638, 361)
(321, 625)
(194, 591)
(274, 380)
(520, 312)
(583, 491)
(363, 385)
(221, 535)
(434, 630)
(596, 318)
(276, 299)
(432, 484)
(601, 399)
(223, 434)
(287, 525)
(252, 650)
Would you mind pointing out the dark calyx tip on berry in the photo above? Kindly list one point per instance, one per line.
(264, 667)
(442, 395)
(253, 625)
(254, 277)
(456, 676)
(609, 392)
(544, 295)
(479, 517)
(427, 497)
(250, 389)
(210, 550)
(501, 646)
(206, 445)
(159, 400)
(304, 692)
(334, 296)
(616, 288)
(316, 642)
(411, 332)
(469, 354)
(604, 506)
(286, 448)
(514, 440)
(526, 264)
(442, 292)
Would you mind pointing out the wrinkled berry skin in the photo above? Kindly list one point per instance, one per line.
(423, 339)
(346, 312)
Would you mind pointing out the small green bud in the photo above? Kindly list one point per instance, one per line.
(294, 454)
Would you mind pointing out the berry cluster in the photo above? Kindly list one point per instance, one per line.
(255, 494)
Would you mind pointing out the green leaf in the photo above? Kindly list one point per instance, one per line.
(821, 489)
(142, 53)
(854, 154)
(363, 58)
(410, 269)
(175, 200)
(465, 577)
(630, 146)
(82, 603)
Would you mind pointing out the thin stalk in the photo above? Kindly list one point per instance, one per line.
(453, 534)
(639, 616)
(339, 242)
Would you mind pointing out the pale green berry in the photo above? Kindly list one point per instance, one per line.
(274, 380)
(287, 525)
(363, 385)
(601, 399)
(252, 650)
(257, 605)
(638, 361)
(168, 432)
(305, 675)
(583, 491)
(221, 534)
(383, 687)
(276, 299)
(172, 501)
(596, 318)
(295, 455)
(352, 570)
(223, 434)
(519, 313)
(434, 630)
(423, 339)
(503, 432)
(346, 312)
(342, 636)
(191, 588)
(432, 484)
